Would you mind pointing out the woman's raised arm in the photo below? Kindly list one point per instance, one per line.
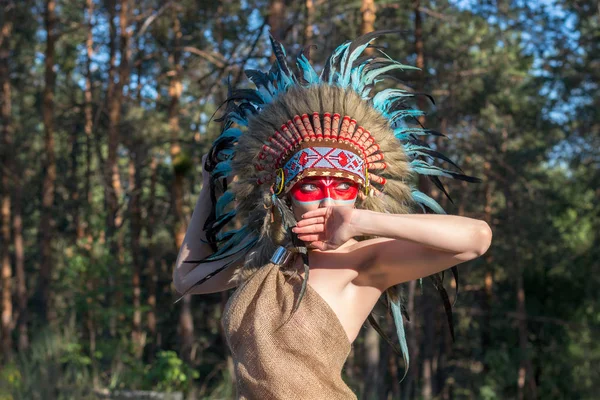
(410, 246)
(194, 248)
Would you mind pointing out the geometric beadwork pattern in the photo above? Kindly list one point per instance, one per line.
(323, 158)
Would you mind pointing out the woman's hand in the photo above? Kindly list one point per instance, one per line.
(327, 228)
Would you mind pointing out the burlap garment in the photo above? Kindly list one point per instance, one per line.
(301, 359)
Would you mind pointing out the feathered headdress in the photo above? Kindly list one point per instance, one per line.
(297, 124)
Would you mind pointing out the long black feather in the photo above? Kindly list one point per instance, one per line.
(279, 53)
(434, 133)
(239, 254)
(436, 181)
(328, 64)
(465, 178)
(245, 94)
(230, 107)
(259, 78)
(439, 285)
(385, 337)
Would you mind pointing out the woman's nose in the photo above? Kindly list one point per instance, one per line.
(327, 202)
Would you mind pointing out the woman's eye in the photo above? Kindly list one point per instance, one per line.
(343, 186)
(307, 187)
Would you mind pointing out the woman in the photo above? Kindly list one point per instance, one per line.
(321, 192)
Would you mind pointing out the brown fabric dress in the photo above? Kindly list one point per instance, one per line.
(301, 359)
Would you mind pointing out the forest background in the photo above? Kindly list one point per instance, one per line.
(104, 116)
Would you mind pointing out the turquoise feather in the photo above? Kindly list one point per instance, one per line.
(308, 72)
(222, 203)
(330, 67)
(385, 99)
(403, 114)
(370, 76)
(425, 168)
(231, 132)
(221, 170)
(423, 199)
(348, 60)
(396, 309)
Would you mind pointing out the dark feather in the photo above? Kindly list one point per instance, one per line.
(385, 337)
(415, 140)
(434, 133)
(455, 274)
(238, 255)
(325, 74)
(439, 285)
(437, 154)
(245, 94)
(259, 78)
(279, 53)
(436, 181)
(302, 288)
(230, 107)
(465, 178)
(430, 97)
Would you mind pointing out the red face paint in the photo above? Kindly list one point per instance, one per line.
(315, 190)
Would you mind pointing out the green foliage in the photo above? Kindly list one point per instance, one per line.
(170, 373)
(54, 366)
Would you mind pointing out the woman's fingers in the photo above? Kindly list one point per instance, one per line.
(311, 221)
(315, 213)
(308, 238)
(309, 229)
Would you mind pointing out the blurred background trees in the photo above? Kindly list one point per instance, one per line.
(104, 116)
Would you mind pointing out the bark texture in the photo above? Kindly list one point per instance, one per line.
(46, 220)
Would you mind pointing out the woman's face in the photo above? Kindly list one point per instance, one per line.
(312, 193)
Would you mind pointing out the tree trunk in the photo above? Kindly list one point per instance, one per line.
(276, 18)
(420, 61)
(308, 26)
(412, 342)
(368, 15)
(115, 101)
(6, 165)
(372, 361)
(151, 261)
(45, 300)
(486, 329)
(88, 96)
(186, 328)
(112, 177)
(135, 183)
(177, 157)
(525, 373)
(186, 322)
(428, 343)
(23, 341)
(393, 361)
(73, 184)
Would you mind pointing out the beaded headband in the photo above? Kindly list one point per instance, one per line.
(324, 145)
